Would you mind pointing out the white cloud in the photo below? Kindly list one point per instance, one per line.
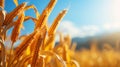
(114, 26)
(90, 30)
(67, 27)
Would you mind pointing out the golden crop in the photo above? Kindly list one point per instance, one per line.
(38, 48)
(107, 57)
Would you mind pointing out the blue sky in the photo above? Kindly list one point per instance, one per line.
(84, 18)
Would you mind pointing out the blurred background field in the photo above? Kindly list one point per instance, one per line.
(100, 51)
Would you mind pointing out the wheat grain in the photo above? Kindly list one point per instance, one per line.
(45, 14)
(56, 22)
(2, 17)
(17, 28)
(2, 3)
(9, 18)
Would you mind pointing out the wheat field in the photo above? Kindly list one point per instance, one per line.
(37, 49)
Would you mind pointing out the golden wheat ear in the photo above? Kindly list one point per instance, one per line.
(17, 28)
(2, 16)
(51, 32)
(50, 6)
(16, 31)
(18, 10)
(56, 22)
(2, 3)
(45, 14)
